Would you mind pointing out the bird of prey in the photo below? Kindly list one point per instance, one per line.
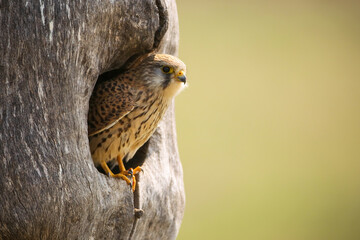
(125, 110)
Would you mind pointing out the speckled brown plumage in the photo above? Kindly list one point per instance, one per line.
(125, 110)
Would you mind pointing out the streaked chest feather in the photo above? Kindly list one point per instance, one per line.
(130, 133)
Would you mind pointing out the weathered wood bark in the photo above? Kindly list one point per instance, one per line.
(51, 55)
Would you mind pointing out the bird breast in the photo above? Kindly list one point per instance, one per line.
(130, 132)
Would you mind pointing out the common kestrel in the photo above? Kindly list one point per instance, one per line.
(125, 110)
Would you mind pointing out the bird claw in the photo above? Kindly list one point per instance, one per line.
(137, 170)
(128, 175)
(130, 171)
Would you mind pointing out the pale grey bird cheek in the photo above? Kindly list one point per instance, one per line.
(157, 78)
(158, 73)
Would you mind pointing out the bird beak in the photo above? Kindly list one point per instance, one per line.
(181, 76)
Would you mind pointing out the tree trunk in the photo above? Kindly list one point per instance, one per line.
(52, 53)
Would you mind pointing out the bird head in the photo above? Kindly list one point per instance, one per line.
(164, 73)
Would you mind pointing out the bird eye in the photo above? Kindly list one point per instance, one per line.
(167, 69)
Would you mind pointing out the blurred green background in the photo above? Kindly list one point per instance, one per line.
(269, 128)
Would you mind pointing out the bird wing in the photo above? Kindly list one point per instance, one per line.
(109, 103)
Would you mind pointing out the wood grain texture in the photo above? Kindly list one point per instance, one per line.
(52, 53)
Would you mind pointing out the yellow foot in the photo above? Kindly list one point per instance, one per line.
(124, 174)
(132, 172)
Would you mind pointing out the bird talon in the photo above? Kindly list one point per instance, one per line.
(130, 171)
(137, 170)
(134, 183)
(126, 175)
